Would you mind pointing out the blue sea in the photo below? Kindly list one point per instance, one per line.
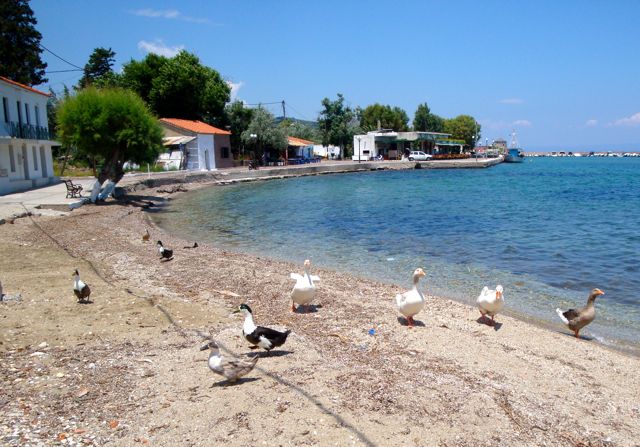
(549, 230)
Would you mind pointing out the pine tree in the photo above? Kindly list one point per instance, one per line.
(20, 44)
(98, 69)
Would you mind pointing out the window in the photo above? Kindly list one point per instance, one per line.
(26, 113)
(224, 152)
(19, 112)
(12, 159)
(35, 159)
(36, 112)
(5, 107)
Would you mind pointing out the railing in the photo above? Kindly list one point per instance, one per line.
(26, 131)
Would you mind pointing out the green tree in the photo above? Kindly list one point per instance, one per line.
(463, 127)
(388, 117)
(300, 130)
(184, 88)
(238, 118)
(111, 126)
(337, 124)
(262, 134)
(426, 121)
(98, 72)
(139, 75)
(20, 44)
(436, 123)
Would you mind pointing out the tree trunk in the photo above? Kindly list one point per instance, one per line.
(112, 169)
(64, 163)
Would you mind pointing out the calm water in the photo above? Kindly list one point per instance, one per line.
(548, 230)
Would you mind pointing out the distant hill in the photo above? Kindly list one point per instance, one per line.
(313, 124)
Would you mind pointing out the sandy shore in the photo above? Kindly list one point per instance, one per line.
(126, 369)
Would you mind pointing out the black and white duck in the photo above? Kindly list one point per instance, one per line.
(263, 337)
(231, 369)
(82, 290)
(165, 253)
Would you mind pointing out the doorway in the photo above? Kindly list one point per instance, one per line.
(43, 163)
(25, 162)
(206, 159)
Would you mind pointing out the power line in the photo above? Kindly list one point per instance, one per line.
(298, 112)
(63, 60)
(63, 71)
(264, 103)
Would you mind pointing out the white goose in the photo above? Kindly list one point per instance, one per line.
(411, 302)
(490, 302)
(304, 290)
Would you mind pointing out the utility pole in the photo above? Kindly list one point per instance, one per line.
(286, 150)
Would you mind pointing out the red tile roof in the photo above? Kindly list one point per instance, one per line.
(195, 126)
(294, 141)
(26, 87)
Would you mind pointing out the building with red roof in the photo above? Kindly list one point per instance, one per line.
(25, 144)
(194, 145)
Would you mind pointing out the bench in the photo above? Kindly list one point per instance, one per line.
(73, 190)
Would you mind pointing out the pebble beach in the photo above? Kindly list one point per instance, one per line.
(126, 369)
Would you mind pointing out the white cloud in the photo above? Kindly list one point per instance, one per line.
(632, 121)
(157, 13)
(591, 123)
(511, 101)
(167, 14)
(522, 123)
(158, 47)
(235, 86)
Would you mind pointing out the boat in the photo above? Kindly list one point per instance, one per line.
(514, 153)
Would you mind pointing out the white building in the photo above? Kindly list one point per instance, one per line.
(25, 146)
(330, 152)
(194, 145)
(391, 144)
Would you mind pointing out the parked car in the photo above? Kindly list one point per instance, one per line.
(419, 155)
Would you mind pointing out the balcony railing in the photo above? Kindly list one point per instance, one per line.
(26, 131)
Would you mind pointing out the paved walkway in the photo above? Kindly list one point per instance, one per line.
(50, 200)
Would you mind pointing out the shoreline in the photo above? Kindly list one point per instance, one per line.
(626, 347)
(148, 317)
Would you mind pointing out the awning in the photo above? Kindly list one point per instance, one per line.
(172, 141)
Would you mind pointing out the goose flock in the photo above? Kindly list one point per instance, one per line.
(490, 303)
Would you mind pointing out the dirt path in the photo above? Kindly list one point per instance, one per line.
(126, 370)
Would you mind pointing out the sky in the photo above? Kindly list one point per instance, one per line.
(562, 74)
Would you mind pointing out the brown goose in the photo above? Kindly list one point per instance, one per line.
(231, 369)
(576, 319)
(81, 289)
(146, 236)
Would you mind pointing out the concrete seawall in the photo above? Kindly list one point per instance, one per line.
(133, 182)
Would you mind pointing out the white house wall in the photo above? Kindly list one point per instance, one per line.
(12, 175)
(33, 167)
(206, 152)
(364, 148)
(193, 157)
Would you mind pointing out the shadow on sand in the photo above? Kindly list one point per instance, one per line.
(416, 323)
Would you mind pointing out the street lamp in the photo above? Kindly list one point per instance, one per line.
(359, 153)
